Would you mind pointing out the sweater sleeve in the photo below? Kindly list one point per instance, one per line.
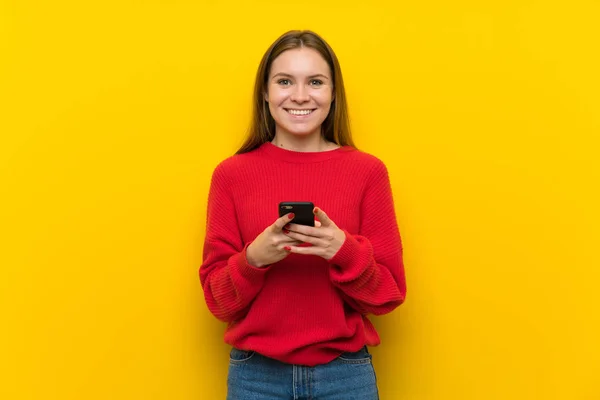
(368, 268)
(230, 284)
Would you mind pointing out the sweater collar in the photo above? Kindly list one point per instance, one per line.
(301, 157)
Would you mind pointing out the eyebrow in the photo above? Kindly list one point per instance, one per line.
(310, 77)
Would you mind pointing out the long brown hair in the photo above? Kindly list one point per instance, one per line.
(335, 128)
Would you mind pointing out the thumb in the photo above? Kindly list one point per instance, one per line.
(323, 218)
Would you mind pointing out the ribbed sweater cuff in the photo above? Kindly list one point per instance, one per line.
(351, 260)
(247, 271)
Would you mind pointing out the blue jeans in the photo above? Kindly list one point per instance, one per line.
(252, 376)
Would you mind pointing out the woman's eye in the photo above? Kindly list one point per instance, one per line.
(316, 82)
(284, 82)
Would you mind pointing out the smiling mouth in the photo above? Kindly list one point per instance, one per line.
(299, 112)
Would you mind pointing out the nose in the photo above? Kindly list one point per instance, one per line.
(300, 94)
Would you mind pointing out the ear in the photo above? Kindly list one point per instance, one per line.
(266, 97)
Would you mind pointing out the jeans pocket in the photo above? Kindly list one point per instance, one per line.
(361, 356)
(237, 356)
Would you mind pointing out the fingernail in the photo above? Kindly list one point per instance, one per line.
(287, 248)
(316, 210)
(286, 231)
(291, 216)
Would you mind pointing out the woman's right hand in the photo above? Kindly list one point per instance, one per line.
(270, 246)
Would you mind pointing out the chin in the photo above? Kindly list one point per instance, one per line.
(302, 132)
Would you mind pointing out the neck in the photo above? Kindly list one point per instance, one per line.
(314, 142)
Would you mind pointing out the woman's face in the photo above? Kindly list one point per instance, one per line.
(299, 91)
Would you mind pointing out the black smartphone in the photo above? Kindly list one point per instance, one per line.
(303, 211)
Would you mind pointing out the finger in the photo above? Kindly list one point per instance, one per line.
(307, 239)
(287, 247)
(281, 222)
(317, 224)
(305, 230)
(289, 240)
(324, 218)
(314, 250)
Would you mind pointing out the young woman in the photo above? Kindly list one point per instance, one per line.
(296, 298)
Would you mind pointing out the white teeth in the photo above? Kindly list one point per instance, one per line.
(299, 112)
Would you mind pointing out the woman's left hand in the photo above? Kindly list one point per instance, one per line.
(326, 238)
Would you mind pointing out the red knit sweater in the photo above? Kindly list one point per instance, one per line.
(304, 309)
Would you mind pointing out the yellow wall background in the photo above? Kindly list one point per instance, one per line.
(114, 113)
